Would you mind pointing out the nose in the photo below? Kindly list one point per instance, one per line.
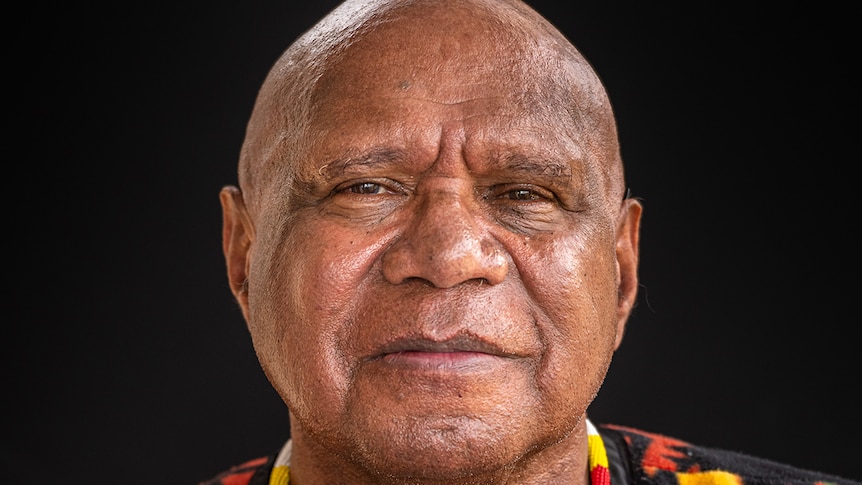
(445, 244)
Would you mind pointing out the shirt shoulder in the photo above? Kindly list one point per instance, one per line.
(655, 459)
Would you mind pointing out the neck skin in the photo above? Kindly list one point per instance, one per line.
(565, 462)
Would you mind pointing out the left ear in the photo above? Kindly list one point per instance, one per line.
(627, 247)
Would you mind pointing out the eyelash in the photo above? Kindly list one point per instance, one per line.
(362, 188)
(368, 187)
(521, 193)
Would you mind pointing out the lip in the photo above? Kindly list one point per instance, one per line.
(437, 360)
(457, 343)
(463, 351)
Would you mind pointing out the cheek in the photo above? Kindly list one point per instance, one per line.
(305, 288)
(572, 283)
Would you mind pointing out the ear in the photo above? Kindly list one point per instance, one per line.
(627, 247)
(237, 236)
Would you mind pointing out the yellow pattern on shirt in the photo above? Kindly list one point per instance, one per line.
(713, 477)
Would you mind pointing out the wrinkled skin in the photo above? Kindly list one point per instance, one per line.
(431, 246)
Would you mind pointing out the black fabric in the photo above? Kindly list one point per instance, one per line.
(261, 476)
(653, 459)
(252, 472)
(618, 457)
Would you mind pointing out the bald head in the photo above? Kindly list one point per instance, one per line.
(444, 52)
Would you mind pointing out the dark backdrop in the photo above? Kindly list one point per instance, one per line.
(126, 360)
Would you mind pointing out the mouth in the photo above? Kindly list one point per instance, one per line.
(460, 352)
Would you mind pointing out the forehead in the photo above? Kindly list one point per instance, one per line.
(446, 55)
(405, 81)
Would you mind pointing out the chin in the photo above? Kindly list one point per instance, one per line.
(442, 448)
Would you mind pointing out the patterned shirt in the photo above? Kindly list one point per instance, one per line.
(618, 455)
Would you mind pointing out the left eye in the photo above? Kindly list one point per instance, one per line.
(522, 194)
(366, 188)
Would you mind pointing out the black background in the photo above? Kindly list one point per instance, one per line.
(126, 360)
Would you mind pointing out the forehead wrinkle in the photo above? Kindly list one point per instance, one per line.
(379, 157)
(465, 100)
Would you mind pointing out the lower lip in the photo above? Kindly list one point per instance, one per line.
(438, 360)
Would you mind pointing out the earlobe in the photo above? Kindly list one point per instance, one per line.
(627, 251)
(237, 236)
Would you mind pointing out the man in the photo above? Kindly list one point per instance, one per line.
(433, 248)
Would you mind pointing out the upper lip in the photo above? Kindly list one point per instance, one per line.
(457, 343)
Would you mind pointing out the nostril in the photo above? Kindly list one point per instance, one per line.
(416, 280)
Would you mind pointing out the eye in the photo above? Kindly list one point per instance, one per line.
(369, 187)
(522, 194)
(365, 188)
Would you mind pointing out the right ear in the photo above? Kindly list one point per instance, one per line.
(237, 236)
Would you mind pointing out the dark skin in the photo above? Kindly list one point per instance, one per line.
(431, 246)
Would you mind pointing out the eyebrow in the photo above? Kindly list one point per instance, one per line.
(552, 170)
(374, 158)
(541, 167)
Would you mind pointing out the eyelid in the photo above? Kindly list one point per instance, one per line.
(389, 185)
(499, 191)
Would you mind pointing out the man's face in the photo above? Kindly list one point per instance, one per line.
(435, 276)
